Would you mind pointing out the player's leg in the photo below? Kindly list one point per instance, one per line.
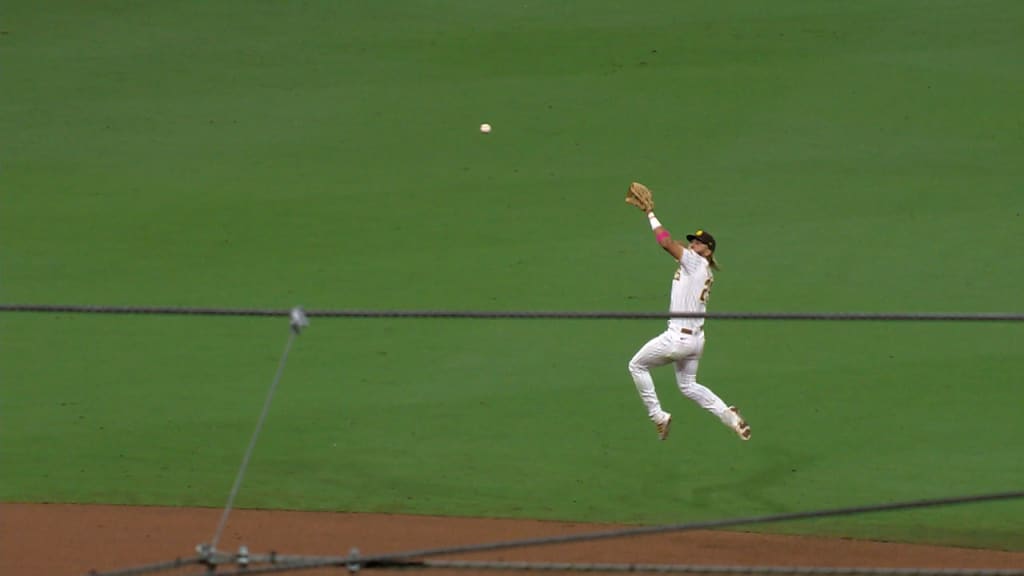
(656, 352)
(686, 378)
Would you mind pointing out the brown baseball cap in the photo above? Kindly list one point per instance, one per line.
(704, 237)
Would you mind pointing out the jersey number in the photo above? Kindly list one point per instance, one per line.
(707, 286)
(707, 290)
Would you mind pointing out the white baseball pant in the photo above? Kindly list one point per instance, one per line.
(685, 351)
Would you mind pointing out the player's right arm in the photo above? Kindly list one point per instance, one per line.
(664, 238)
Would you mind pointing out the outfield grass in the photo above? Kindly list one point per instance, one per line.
(261, 154)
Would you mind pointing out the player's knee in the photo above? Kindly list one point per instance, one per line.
(636, 367)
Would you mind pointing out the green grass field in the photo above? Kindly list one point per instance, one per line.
(848, 157)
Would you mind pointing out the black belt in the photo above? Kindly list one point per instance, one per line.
(688, 331)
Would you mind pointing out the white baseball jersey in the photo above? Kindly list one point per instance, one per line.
(690, 288)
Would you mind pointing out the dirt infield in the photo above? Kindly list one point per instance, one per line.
(58, 539)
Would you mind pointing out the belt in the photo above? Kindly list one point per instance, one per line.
(690, 332)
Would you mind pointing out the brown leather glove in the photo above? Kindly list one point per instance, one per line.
(640, 196)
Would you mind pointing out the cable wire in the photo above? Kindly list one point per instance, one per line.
(702, 525)
(175, 564)
(298, 321)
(494, 314)
(708, 569)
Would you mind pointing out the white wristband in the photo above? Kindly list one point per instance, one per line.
(654, 221)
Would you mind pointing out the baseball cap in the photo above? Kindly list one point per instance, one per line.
(704, 237)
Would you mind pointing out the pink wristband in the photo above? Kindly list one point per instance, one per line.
(662, 235)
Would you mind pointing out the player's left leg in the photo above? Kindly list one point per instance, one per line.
(686, 377)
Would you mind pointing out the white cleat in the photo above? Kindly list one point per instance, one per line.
(664, 426)
(738, 424)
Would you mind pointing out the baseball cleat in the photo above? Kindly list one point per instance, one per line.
(738, 424)
(664, 426)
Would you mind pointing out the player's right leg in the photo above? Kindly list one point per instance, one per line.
(656, 352)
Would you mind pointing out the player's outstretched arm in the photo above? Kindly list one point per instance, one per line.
(664, 238)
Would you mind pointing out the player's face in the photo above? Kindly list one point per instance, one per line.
(700, 248)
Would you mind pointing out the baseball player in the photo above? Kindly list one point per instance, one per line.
(683, 342)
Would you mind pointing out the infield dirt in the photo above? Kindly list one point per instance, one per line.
(62, 539)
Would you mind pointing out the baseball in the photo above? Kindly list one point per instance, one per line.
(485, 128)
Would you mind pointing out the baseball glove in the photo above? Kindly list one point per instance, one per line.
(640, 196)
